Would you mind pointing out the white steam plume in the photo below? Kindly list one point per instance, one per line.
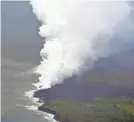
(76, 32)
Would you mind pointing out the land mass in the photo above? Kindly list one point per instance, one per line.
(95, 110)
(94, 96)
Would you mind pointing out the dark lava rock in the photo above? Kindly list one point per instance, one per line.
(57, 117)
(47, 110)
(81, 91)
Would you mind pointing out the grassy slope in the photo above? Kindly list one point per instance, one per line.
(129, 109)
(96, 110)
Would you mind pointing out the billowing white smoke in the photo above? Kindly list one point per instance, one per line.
(76, 32)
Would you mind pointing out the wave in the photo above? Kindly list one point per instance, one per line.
(34, 106)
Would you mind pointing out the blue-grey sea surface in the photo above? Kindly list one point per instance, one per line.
(20, 50)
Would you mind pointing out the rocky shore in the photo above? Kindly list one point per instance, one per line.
(95, 110)
(82, 92)
(48, 110)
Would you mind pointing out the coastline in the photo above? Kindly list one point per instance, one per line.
(56, 117)
(45, 96)
(97, 109)
(88, 91)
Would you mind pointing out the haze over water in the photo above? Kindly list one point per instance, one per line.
(20, 53)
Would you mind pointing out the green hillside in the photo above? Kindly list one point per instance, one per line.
(96, 110)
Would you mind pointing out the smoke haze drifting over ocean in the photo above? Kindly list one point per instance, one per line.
(76, 33)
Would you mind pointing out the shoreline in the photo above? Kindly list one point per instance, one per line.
(100, 90)
(56, 117)
(72, 111)
(88, 91)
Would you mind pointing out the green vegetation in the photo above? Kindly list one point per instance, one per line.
(128, 109)
(95, 110)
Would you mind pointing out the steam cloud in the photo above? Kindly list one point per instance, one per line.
(76, 33)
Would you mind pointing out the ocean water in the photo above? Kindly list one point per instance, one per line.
(23, 115)
(19, 55)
